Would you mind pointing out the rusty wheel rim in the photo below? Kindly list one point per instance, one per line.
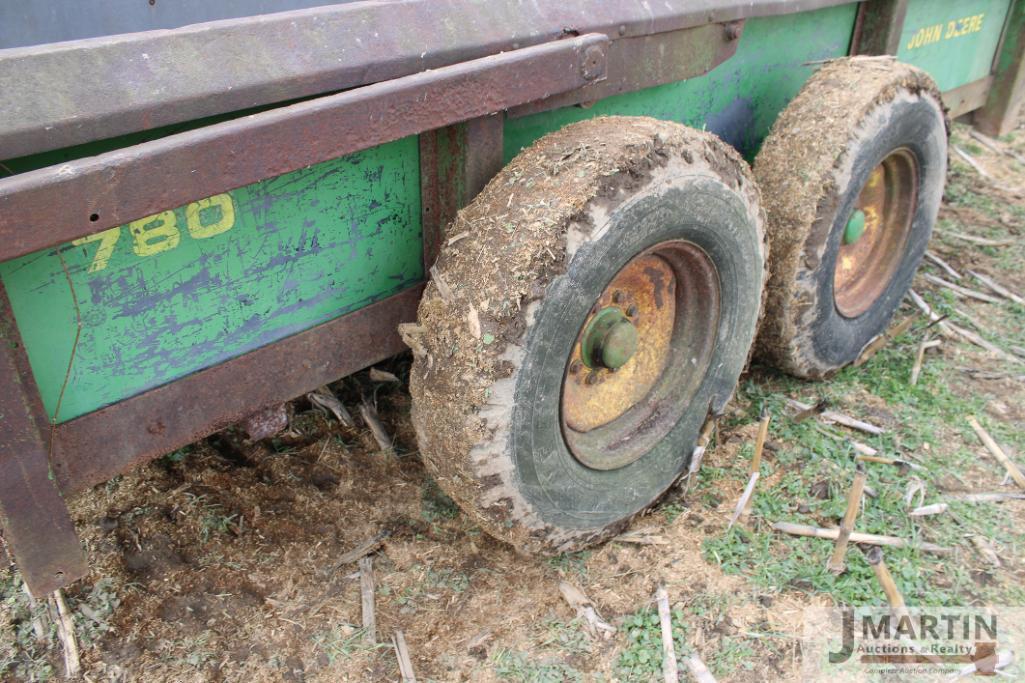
(876, 234)
(650, 333)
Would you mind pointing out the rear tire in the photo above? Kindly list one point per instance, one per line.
(614, 221)
(852, 176)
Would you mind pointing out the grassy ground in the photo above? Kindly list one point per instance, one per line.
(219, 562)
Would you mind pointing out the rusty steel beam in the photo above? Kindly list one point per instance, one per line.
(33, 516)
(123, 84)
(161, 420)
(999, 114)
(647, 61)
(456, 162)
(878, 27)
(114, 188)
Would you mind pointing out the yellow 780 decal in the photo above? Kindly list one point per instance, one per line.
(160, 232)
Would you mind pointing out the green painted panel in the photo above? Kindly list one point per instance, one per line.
(198, 285)
(953, 40)
(739, 99)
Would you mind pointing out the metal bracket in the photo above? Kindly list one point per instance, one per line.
(456, 162)
(878, 27)
(34, 518)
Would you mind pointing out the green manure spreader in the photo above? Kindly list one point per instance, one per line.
(584, 218)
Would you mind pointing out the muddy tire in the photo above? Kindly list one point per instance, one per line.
(852, 175)
(614, 254)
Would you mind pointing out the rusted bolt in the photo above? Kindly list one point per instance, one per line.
(733, 29)
(617, 297)
(593, 64)
(592, 378)
(574, 367)
(631, 311)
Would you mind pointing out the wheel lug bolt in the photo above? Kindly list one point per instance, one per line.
(632, 311)
(617, 297)
(592, 378)
(574, 367)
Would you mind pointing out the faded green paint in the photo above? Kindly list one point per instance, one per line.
(312, 245)
(739, 99)
(305, 247)
(951, 40)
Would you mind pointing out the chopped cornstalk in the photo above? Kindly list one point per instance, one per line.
(880, 341)
(997, 452)
(874, 556)
(402, 655)
(839, 418)
(923, 346)
(748, 491)
(944, 266)
(928, 510)
(698, 670)
(756, 459)
(962, 291)
(836, 561)
(997, 287)
(670, 671)
(858, 537)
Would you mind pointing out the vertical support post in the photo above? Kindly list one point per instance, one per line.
(456, 162)
(878, 27)
(36, 525)
(998, 116)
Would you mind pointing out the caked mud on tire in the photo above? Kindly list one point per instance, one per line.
(851, 178)
(524, 267)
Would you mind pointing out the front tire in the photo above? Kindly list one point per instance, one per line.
(591, 308)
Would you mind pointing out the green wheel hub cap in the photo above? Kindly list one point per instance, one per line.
(855, 227)
(610, 340)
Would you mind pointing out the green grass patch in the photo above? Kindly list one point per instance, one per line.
(812, 472)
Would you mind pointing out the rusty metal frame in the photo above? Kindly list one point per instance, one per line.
(642, 62)
(33, 516)
(123, 84)
(456, 162)
(115, 188)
